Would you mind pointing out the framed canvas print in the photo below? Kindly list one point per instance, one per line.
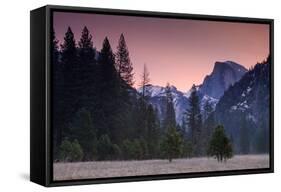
(119, 95)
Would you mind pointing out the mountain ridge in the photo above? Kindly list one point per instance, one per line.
(156, 93)
(223, 75)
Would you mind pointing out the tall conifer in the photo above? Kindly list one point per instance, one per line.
(123, 63)
(194, 121)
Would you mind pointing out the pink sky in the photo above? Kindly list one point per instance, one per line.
(181, 52)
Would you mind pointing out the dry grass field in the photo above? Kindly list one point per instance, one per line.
(101, 169)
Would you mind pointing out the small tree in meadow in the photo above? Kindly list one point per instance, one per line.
(77, 152)
(220, 146)
(70, 151)
(172, 144)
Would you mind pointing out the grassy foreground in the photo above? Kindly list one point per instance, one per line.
(102, 169)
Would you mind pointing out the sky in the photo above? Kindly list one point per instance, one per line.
(181, 52)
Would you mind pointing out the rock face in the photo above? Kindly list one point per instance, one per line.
(244, 110)
(223, 75)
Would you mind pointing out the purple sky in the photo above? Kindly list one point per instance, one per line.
(181, 52)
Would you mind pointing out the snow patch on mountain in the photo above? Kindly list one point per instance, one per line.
(157, 96)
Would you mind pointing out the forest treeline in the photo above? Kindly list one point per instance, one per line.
(98, 115)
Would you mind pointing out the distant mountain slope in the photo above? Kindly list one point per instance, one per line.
(244, 110)
(223, 75)
(157, 97)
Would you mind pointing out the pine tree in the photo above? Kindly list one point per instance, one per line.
(70, 151)
(107, 62)
(84, 131)
(110, 94)
(172, 144)
(141, 126)
(194, 121)
(208, 109)
(183, 127)
(77, 151)
(89, 74)
(69, 51)
(220, 146)
(86, 39)
(144, 81)
(104, 148)
(68, 92)
(208, 125)
(123, 62)
(170, 118)
(152, 133)
(55, 48)
(124, 69)
(87, 52)
(57, 94)
(65, 151)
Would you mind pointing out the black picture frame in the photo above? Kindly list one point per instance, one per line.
(40, 100)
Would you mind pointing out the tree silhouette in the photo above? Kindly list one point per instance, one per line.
(144, 80)
(83, 129)
(194, 121)
(69, 92)
(86, 50)
(220, 146)
(57, 83)
(69, 51)
(208, 125)
(170, 118)
(123, 63)
(153, 131)
(110, 95)
(172, 144)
